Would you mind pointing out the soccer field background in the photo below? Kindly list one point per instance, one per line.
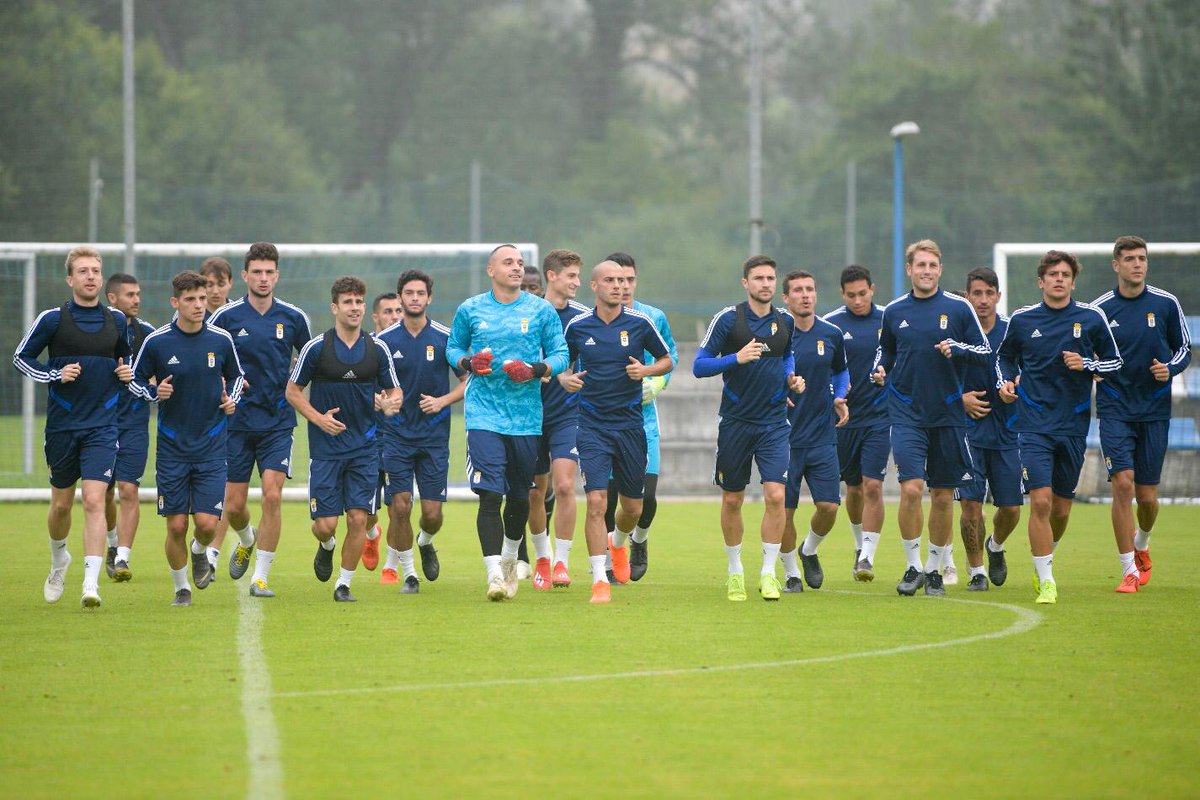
(670, 691)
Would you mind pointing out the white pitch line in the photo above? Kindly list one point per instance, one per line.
(265, 781)
(1027, 620)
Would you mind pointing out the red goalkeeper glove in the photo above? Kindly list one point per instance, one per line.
(480, 363)
(521, 371)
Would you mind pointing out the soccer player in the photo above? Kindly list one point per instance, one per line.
(265, 330)
(922, 335)
(864, 442)
(1048, 358)
(1134, 402)
(503, 407)
(416, 441)
(344, 366)
(610, 343)
(532, 281)
(651, 387)
(814, 415)
(558, 457)
(385, 312)
(133, 437)
(996, 463)
(749, 346)
(88, 354)
(218, 274)
(199, 384)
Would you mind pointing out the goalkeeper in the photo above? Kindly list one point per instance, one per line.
(638, 555)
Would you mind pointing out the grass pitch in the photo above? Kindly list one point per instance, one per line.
(445, 694)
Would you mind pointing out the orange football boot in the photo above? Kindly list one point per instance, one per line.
(601, 592)
(1141, 560)
(1129, 584)
(541, 574)
(561, 578)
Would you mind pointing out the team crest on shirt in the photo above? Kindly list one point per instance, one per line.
(943, 320)
(774, 327)
(429, 352)
(212, 359)
(820, 347)
(1076, 330)
(524, 324)
(1150, 319)
(278, 330)
(624, 338)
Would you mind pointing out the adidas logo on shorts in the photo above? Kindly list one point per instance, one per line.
(108, 473)
(173, 360)
(220, 506)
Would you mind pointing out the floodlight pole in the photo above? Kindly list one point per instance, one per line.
(755, 120)
(898, 133)
(130, 135)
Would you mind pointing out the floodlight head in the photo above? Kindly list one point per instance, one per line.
(905, 129)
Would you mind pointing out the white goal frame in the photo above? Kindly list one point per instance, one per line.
(28, 253)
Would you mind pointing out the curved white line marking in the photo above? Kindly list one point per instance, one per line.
(265, 780)
(1027, 620)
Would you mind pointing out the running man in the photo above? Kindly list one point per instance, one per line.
(218, 276)
(416, 441)
(1048, 359)
(266, 331)
(199, 385)
(814, 413)
(88, 364)
(385, 311)
(1134, 402)
(749, 346)
(344, 365)
(503, 405)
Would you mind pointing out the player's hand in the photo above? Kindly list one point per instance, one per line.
(480, 363)
(329, 424)
(166, 388)
(635, 369)
(227, 404)
(879, 376)
(1073, 360)
(571, 381)
(944, 348)
(975, 405)
(390, 404)
(70, 372)
(796, 383)
(1008, 392)
(518, 371)
(430, 404)
(1160, 371)
(842, 410)
(751, 352)
(124, 372)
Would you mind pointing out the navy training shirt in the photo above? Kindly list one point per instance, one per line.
(609, 399)
(756, 391)
(995, 430)
(558, 405)
(420, 366)
(819, 355)
(860, 337)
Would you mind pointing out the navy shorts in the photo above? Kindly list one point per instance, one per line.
(819, 467)
(428, 464)
(190, 487)
(863, 452)
(500, 463)
(739, 443)
(998, 470)
(133, 447)
(271, 449)
(619, 453)
(1139, 446)
(90, 454)
(336, 486)
(938, 456)
(1052, 460)
(557, 442)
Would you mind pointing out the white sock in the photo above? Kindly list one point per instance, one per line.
(811, 543)
(330, 543)
(620, 537)
(246, 535)
(1042, 564)
(975, 570)
(791, 568)
(263, 559)
(541, 545)
(770, 556)
(492, 565)
(406, 562)
(59, 557)
(993, 547)
(562, 551)
(91, 571)
(948, 555)
(344, 577)
(1141, 539)
(1054, 547)
(112, 538)
(734, 554)
(393, 559)
(180, 577)
(1127, 565)
(598, 574)
(424, 539)
(912, 552)
(123, 554)
(856, 529)
(214, 555)
(197, 548)
(509, 549)
(373, 532)
(933, 561)
(870, 541)
(639, 534)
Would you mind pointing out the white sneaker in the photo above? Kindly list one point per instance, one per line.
(496, 590)
(950, 575)
(524, 572)
(52, 590)
(91, 597)
(508, 575)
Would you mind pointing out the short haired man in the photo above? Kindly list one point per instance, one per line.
(266, 331)
(133, 437)
(416, 441)
(922, 336)
(199, 384)
(345, 365)
(749, 346)
(532, 281)
(218, 277)
(995, 459)
(1134, 402)
(385, 311)
(1048, 359)
(88, 352)
(558, 456)
(814, 414)
(864, 442)
(503, 407)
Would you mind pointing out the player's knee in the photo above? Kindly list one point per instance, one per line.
(827, 510)
(597, 504)
(357, 517)
(1039, 503)
(1122, 484)
(872, 491)
(402, 504)
(1006, 516)
(489, 503)
(912, 491)
(773, 495)
(1147, 494)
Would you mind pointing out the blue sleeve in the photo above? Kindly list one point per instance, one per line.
(554, 345)
(306, 364)
(841, 384)
(789, 364)
(1104, 347)
(664, 330)
(35, 341)
(1008, 357)
(235, 379)
(885, 354)
(707, 365)
(122, 349)
(143, 371)
(1179, 339)
(974, 348)
(387, 378)
(655, 345)
(303, 333)
(459, 343)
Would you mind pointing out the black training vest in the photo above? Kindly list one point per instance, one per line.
(69, 341)
(331, 369)
(741, 335)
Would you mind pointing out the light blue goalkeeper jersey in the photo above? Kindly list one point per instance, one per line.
(527, 329)
(650, 410)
